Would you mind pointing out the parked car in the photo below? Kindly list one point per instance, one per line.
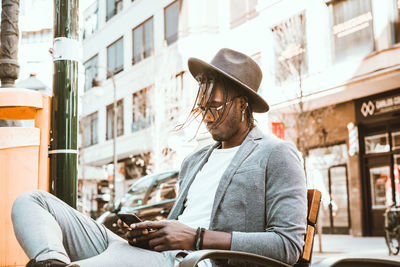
(150, 198)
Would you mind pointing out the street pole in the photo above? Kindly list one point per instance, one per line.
(63, 142)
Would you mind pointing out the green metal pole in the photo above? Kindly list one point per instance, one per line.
(64, 118)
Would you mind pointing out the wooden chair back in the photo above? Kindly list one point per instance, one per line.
(314, 200)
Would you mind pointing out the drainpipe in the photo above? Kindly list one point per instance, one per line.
(63, 151)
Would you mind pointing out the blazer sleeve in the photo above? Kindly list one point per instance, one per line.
(285, 209)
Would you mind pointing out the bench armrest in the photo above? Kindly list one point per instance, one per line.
(193, 258)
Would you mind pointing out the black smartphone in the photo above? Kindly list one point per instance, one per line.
(129, 218)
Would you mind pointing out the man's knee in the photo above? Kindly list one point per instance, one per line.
(24, 200)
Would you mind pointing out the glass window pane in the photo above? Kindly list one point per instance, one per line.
(381, 193)
(110, 9)
(120, 118)
(110, 115)
(339, 196)
(164, 189)
(110, 58)
(94, 129)
(115, 56)
(352, 28)
(120, 55)
(141, 109)
(290, 46)
(86, 133)
(377, 143)
(137, 192)
(148, 38)
(90, 72)
(171, 22)
(137, 44)
(396, 139)
(90, 129)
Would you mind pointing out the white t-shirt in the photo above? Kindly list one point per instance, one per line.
(201, 194)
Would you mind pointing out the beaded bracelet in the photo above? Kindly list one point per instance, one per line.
(199, 238)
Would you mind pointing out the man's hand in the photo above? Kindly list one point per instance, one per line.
(129, 234)
(162, 235)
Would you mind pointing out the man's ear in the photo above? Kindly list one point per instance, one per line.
(243, 103)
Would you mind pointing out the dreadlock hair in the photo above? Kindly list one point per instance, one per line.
(230, 89)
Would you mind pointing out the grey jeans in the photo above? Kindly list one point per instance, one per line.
(47, 228)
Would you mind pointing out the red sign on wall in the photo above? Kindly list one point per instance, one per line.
(278, 129)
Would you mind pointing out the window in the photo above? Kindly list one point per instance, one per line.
(352, 29)
(113, 7)
(171, 22)
(395, 140)
(90, 130)
(142, 114)
(110, 120)
(242, 10)
(379, 177)
(91, 21)
(115, 57)
(91, 72)
(143, 43)
(377, 143)
(396, 22)
(290, 47)
(174, 97)
(41, 36)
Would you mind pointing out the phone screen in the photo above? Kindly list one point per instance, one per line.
(129, 218)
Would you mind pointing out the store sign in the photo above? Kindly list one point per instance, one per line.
(353, 139)
(352, 25)
(378, 105)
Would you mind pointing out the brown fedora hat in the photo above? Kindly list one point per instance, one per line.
(237, 67)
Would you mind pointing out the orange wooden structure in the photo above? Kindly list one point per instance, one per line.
(23, 160)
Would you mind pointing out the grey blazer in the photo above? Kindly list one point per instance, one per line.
(261, 198)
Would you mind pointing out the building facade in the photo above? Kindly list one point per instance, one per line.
(331, 77)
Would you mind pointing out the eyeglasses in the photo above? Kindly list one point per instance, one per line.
(210, 113)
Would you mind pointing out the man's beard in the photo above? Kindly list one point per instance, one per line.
(231, 124)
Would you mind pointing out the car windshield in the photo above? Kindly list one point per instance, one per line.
(164, 188)
(137, 193)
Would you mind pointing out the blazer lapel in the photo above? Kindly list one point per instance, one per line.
(245, 149)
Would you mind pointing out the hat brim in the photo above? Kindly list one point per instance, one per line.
(198, 66)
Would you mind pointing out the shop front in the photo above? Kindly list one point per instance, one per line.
(378, 121)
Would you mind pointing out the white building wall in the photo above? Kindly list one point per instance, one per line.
(35, 57)
(206, 29)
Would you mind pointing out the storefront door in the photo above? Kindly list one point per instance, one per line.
(378, 121)
(339, 217)
(382, 160)
(327, 172)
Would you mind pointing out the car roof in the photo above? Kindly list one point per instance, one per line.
(158, 176)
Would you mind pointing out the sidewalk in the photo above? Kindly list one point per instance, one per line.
(339, 246)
